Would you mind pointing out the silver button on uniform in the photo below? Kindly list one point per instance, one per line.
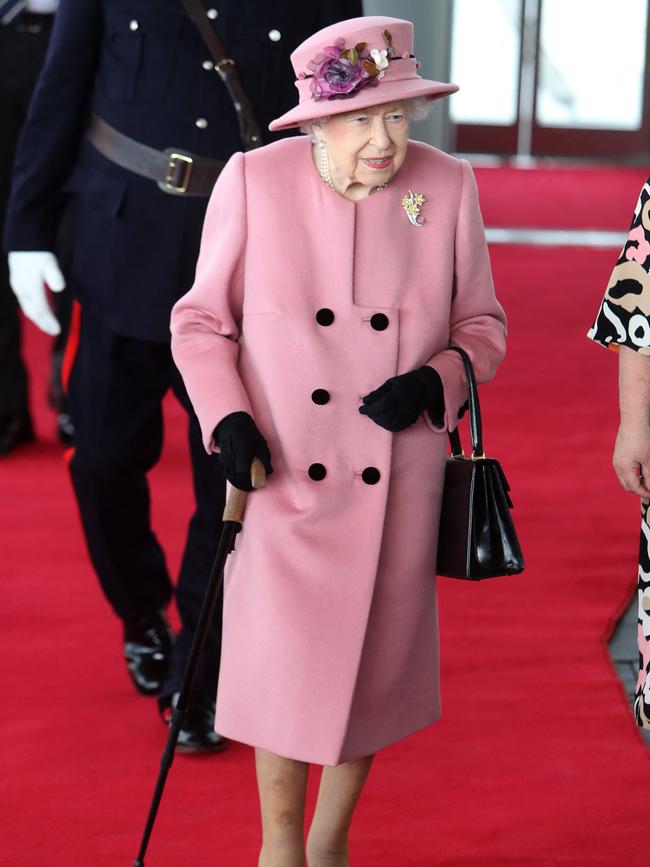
(275, 35)
(212, 14)
(133, 25)
(207, 65)
(201, 122)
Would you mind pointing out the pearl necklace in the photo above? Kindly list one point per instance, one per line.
(324, 170)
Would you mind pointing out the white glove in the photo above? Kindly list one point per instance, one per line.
(29, 272)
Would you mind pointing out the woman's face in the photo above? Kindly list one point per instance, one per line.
(366, 147)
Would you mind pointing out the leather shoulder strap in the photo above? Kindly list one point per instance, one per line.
(249, 130)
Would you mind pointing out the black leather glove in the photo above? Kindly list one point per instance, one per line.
(240, 441)
(397, 403)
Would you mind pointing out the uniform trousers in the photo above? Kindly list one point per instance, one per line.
(116, 387)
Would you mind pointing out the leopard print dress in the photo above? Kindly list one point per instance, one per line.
(624, 320)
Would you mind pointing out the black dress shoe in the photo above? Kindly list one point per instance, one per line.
(147, 648)
(15, 428)
(197, 734)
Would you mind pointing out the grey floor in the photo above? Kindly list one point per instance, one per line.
(624, 653)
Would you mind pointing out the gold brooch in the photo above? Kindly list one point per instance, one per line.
(412, 204)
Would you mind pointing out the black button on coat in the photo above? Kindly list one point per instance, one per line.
(325, 316)
(320, 396)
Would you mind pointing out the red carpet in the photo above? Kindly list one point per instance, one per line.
(536, 761)
(560, 198)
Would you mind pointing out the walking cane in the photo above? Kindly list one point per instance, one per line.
(232, 522)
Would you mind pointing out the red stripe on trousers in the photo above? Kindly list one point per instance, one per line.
(69, 355)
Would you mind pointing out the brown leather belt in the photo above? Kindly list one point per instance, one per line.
(176, 171)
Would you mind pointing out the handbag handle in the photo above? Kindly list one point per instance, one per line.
(475, 423)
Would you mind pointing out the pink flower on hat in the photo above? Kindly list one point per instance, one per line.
(338, 72)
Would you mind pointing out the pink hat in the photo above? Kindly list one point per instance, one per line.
(356, 64)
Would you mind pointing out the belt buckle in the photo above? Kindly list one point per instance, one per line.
(179, 172)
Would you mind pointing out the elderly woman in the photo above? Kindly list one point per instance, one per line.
(335, 272)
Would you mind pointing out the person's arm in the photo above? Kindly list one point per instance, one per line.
(205, 326)
(54, 127)
(632, 449)
(623, 325)
(205, 322)
(477, 320)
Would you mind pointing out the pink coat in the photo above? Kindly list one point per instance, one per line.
(330, 635)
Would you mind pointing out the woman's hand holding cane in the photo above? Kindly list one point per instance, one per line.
(240, 441)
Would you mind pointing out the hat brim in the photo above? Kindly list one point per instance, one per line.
(384, 92)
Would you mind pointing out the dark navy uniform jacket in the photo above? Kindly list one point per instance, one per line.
(143, 67)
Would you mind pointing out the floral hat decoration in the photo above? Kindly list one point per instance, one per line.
(356, 64)
(340, 72)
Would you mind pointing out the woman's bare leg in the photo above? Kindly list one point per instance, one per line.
(340, 787)
(282, 785)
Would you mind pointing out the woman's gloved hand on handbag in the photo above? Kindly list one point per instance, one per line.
(397, 403)
(240, 441)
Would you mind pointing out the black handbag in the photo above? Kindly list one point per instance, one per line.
(477, 537)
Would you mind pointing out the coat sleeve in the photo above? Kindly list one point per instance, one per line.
(477, 320)
(623, 318)
(52, 133)
(205, 323)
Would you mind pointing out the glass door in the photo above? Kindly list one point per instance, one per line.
(591, 64)
(485, 111)
(551, 78)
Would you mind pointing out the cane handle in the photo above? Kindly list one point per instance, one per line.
(258, 474)
(236, 502)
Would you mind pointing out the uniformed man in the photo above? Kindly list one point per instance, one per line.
(135, 77)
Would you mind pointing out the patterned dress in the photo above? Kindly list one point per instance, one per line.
(624, 320)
